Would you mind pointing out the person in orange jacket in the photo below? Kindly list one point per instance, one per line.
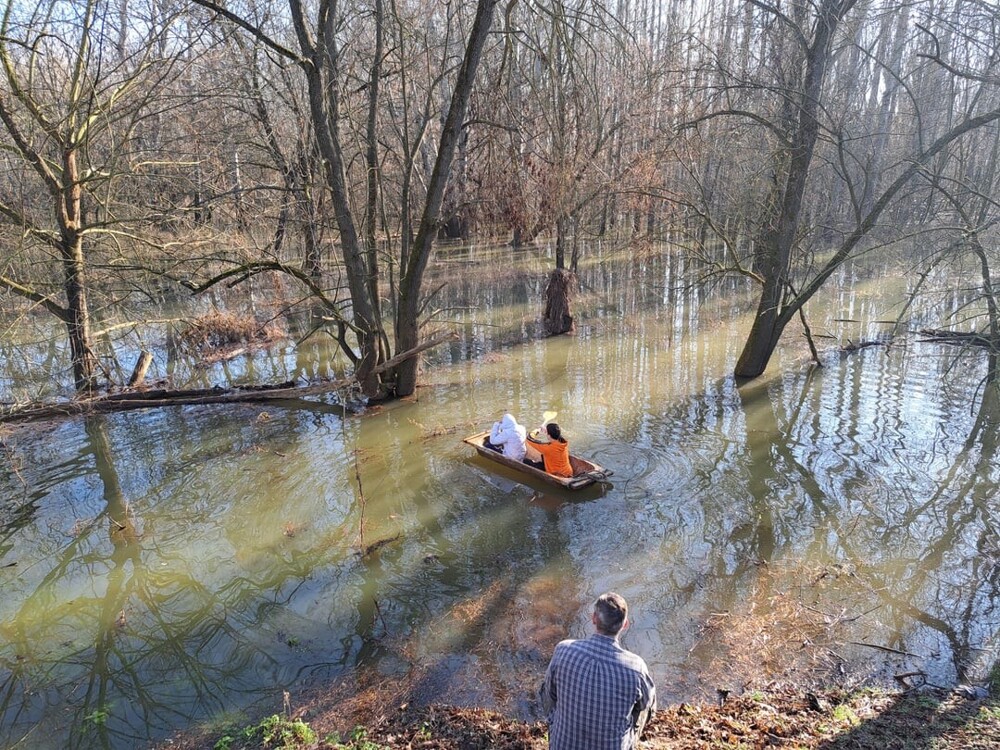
(555, 453)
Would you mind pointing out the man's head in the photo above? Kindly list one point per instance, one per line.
(610, 614)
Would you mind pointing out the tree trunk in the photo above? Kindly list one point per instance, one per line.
(773, 315)
(558, 295)
(322, 78)
(141, 368)
(411, 279)
(561, 242)
(78, 324)
(778, 242)
(371, 160)
(68, 213)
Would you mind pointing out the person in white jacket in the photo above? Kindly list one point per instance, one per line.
(508, 437)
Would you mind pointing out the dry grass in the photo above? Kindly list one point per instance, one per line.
(860, 720)
(220, 331)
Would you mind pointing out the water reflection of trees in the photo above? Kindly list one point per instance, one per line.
(156, 644)
(835, 467)
(146, 646)
(479, 556)
(707, 488)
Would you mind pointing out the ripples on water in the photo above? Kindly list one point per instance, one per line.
(171, 567)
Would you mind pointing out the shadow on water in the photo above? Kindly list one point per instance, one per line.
(176, 566)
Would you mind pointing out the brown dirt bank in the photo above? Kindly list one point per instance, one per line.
(784, 718)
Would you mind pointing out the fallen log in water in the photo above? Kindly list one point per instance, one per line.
(958, 338)
(853, 347)
(149, 399)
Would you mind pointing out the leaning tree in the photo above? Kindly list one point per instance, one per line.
(821, 95)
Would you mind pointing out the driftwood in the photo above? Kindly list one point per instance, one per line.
(149, 399)
(853, 347)
(957, 338)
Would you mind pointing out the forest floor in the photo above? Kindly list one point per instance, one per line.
(861, 719)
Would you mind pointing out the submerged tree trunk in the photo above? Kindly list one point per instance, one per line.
(558, 295)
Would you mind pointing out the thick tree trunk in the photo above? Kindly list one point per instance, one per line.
(68, 213)
(778, 242)
(558, 295)
(411, 280)
(78, 326)
(561, 242)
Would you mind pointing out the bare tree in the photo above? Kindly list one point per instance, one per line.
(321, 59)
(69, 108)
(816, 141)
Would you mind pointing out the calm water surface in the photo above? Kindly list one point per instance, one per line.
(178, 566)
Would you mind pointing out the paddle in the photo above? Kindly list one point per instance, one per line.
(546, 417)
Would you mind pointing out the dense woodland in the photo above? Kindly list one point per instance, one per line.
(153, 149)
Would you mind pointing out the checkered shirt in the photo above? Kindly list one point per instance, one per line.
(595, 692)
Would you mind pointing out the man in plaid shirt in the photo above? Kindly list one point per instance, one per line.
(598, 695)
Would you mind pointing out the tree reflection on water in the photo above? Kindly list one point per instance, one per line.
(180, 565)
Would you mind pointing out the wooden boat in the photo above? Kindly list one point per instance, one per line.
(585, 473)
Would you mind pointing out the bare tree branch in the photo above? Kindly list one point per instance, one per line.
(44, 300)
(253, 30)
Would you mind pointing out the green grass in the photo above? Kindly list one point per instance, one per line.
(359, 741)
(273, 732)
(845, 715)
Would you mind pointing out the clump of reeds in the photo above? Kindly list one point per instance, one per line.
(221, 330)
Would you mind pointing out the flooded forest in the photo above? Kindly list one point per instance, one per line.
(263, 266)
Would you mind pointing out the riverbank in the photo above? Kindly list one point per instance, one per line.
(875, 719)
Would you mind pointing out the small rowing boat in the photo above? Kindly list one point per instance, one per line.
(585, 473)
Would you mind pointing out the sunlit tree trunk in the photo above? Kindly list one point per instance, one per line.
(776, 245)
(411, 276)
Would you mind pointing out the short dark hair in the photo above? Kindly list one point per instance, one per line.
(611, 611)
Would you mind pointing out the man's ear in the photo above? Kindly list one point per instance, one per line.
(593, 619)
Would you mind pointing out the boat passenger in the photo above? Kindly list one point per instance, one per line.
(507, 437)
(555, 452)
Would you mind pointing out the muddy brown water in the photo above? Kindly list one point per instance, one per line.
(186, 566)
